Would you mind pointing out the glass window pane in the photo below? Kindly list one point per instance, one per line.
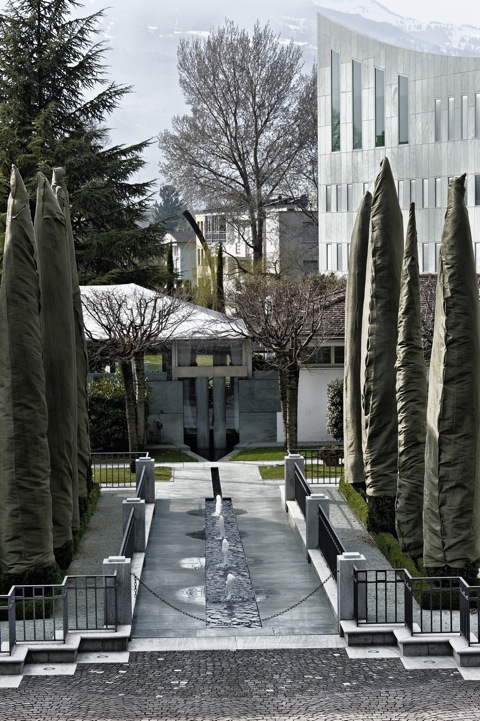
(349, 196)
(328, 198)
(339, 354)
(425, 193)
(412, 191)
(339, 197)
(402, 109)
(437, 254)
(464, 117)
(425, 257)
(357, 104)
(451, 118)
(438, 192)
(438, 119)
(400, 193)
(329, 256)
(477, 115)
(477, 190)
(335, 98)
(379, 108)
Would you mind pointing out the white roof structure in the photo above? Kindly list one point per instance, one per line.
(185, 321)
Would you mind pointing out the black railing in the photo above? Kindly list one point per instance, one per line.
(127, 545)
(88, 598)
(8, 635)
(432, 605)
(328, 542)
(379, 596)
(323, 465)
(115, 470)
(470, 613)
(302, 490)
(141, 485)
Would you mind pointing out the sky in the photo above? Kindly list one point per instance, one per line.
(457, 12)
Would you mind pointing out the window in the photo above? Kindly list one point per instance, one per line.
(400, 193)
(329, 256)
(322, 356)
(339, 257)
(477, 257)
(451, 118)
(438, 119)
(412, 191)
(365, 188)
(328, 198)
(379, 108)
(425, 257)
(402, 109)
(335, 100)
(425, 193)
(338, 195)
(464, 117)
(477, 115)
(339, 354)
(349, 196)
(438, 192)
(437, 255)
(357, 104)
(477, 190)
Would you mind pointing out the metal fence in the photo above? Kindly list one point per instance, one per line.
(115, 470)
(328, 542)
(323, 465)
(30, 614)
(379, 596)
(127, 545)
(470, 613)
(302, 490)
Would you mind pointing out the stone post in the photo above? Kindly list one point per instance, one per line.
(149, 480)
(311, 518)
(290, 461)
(345, 590)
(138, 505)
(122, 613)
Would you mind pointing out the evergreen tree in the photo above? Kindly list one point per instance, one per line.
(168, 211)
(54, 101)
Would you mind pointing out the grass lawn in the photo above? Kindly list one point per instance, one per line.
(260, 454)
(271, 473)
(171, 456)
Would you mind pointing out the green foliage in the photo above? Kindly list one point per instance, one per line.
(381, 514)
(54, 101)
(335, 409)
(107, 419)
(355, 500)
(168, 210)
(259, 454)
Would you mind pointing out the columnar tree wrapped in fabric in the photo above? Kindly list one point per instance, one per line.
(379, 343)
(26, 542)
(83, 467)
(411, 403)
(352, 409)
(59, 364)
(452, 483)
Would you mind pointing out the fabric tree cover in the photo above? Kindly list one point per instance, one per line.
(452, 483)
(82, 470)
(352, 409)
(59, 363)
(26, 543)
(379, 342)
(411, 403)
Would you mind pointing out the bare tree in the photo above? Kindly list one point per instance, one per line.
(238, 146)
(428, 287)
(123, 325)
(289, 320)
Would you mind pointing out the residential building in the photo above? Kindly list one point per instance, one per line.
(184, 252)
(420, 110)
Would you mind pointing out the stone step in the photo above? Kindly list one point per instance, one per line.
(12, 665)
(379, 635)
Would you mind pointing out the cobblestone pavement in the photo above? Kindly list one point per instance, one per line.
(276, 685)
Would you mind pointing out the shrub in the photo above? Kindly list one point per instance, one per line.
(335, 409)
(108, 424)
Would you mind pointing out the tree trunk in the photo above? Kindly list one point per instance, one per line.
(141, 396)
(130, 404)
(292, 380)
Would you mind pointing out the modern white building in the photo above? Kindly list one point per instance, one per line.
(420, 110)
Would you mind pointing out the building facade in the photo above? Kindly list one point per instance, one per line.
(420, 110)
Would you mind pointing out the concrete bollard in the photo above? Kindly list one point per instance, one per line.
(149, 480)
(345, 590)
(121, 612)
(311, 518)
(138, 505)
(290, 461)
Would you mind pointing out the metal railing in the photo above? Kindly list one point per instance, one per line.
(470, 613)
(141, 484)
(115, 470)
(379, 596)
(127, 545)
(323, 465)
(302, 490)
(432, 605)
(328, 542)
(46, 613)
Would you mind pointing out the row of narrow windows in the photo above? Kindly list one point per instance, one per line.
(338, 254)
(403, 109)
(340, 197)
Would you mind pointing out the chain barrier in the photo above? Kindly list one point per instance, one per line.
(138, 581)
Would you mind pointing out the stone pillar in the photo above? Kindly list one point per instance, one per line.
(345, 591)
(203, 420)
(149, 479)
(311, 518)
(138, 505)
(122, 567)
(219, 418)
(290, 461)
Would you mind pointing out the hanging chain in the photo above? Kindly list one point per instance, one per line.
(138, 581)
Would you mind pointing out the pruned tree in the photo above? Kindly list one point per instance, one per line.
(124, 323)
(428, 286)
(241, 140)
(289, 320)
